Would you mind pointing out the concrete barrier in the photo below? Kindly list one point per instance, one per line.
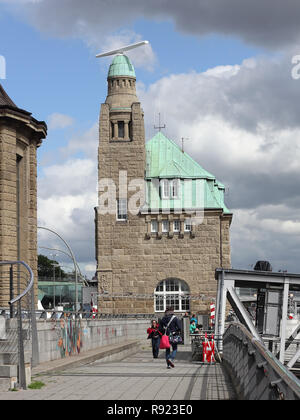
(66, 337)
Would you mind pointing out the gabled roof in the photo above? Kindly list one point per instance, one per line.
(5, 99)
(165, 159)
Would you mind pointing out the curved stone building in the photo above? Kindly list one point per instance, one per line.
(20, 136)
(162, 227)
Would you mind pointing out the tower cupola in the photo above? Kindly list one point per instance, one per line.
(121, 92)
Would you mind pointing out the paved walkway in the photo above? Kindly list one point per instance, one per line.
(136, 377)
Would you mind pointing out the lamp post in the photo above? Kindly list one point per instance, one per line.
(73, 258)
(54, 265)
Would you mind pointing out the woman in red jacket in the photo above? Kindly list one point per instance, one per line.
(155, 336)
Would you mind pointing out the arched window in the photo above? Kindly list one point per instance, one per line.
(172, 292)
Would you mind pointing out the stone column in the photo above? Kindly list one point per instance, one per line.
(116, 130)
(126, 130)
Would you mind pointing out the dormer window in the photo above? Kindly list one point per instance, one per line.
(169, 188)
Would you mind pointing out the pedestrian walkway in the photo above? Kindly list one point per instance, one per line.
(136, 377)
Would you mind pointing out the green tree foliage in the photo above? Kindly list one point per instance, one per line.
(47, 267)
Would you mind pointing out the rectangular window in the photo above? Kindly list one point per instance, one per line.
(159, 303)
(165, 226)
(112, 130)
(169, 188)
(185, 304)
(176, 226)
(165, 189)
(154, 226)
(187, 225)
(175, 188)
(121, 132)
(122, 209)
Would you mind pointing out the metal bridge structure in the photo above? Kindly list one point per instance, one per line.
(255, 349)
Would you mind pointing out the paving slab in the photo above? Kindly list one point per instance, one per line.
(137, 377)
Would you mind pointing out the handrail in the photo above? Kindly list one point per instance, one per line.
(21, 352)
(31, 282)
(276, 373)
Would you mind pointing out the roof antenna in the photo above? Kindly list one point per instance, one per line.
(122, 49)
(182, 143)
(159, 126)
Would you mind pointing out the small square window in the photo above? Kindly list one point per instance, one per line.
(154, 226)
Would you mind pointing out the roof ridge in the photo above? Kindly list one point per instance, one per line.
(5, 99)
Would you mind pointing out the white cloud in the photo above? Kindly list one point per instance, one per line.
(86, 143)
(242, 125)
(67, 195)
(58, 121)
(70, 177)
(266, 23)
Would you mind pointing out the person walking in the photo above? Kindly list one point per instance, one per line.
(154, 333)
(171, 326)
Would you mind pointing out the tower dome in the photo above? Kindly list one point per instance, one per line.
(121, 66)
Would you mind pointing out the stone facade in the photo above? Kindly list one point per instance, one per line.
(132, 260)
(20, 135)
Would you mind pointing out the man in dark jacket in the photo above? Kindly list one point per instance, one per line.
(173, 328)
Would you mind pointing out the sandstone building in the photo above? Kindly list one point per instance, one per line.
(161, 224)
(20, 135)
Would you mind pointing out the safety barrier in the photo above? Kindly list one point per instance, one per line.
(254, 370)
(208, 346)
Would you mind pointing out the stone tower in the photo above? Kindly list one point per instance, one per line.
(121, 159)
(20, 136)
(156, 256)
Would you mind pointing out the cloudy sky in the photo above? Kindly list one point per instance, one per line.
(222, 73)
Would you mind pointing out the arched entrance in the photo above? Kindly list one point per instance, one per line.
(172, 292)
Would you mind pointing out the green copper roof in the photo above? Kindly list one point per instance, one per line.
(168, 160)
(121, 66)
(165, 160)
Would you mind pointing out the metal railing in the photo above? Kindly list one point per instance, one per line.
(254, 370)
(21, 343)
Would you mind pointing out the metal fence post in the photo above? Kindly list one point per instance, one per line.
(22, 376)
(35, 345)
(11, 290)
